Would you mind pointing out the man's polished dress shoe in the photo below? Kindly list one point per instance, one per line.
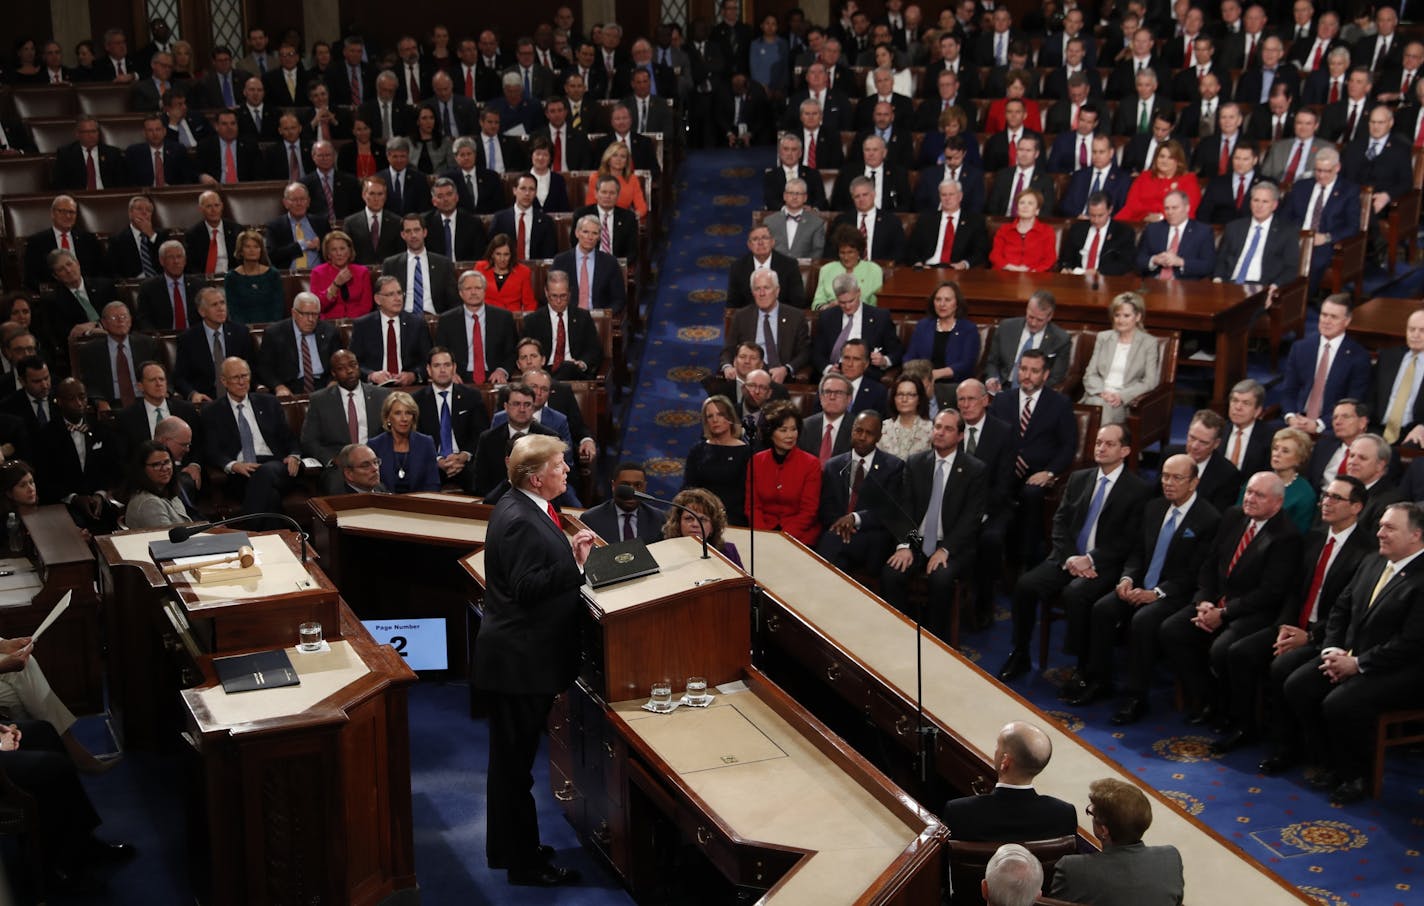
(1322, 778)
(1233, 741)
(1016, 666)
(1089, 693)
(1275, 764)
(1130, 712)
(1349, 792)
(545, 876)
(116, 850)
(546, 853)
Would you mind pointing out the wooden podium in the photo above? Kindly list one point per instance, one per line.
(774, 801)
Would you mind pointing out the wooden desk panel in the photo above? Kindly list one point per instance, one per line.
(875, 645)
(1380, 322)
(1224, 309)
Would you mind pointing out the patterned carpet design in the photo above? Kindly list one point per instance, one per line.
(1363, 854)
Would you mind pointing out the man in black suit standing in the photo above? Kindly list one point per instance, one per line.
(480, 338)
(946, 491)
(453, 414)
(375, 231)
(1099, 244)
(256, 118)
(1371, 659)
(1159, 579)
(169, 300)
(951, 237)
(856, 493)
(247, 437)
(85, 163)
(109, 365)
(451, 231)
(62, 234)
(1014, 810)
(1093, 531)
(202, 348)
(532, 231)
(428, 279)
(1255, 558)
(335, 194)
(391, 344)
(890, 182)
(595, 277)
(295, 351)
(619, 225)
(575, 351)
(1332, 552)
(527, 651)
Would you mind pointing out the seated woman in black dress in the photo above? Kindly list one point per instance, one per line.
(718, 462)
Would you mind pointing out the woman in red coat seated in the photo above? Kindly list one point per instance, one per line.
(1015, 86)
(1026, 244)
(508, 284)
(342, 285)
(784, 481)
(1149, 190)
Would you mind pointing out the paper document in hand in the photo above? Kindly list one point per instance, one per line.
(58, 609)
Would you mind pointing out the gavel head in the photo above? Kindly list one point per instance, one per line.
(246, 556)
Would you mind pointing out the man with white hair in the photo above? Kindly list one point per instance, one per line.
(1013, 877)
(1328, 205)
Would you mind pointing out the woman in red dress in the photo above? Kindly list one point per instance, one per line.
(1015, 86)
(1026, 244)
(1169, 173)
(508, 283)
(784, 481)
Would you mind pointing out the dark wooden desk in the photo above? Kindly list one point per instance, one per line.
(1380, 322)
(1223, 309)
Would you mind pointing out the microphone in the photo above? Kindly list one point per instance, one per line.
(180, 533)
(626, 492)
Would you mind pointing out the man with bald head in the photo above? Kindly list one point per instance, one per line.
(1253, 562)
(1014, 810)
(176, 435)
(854, 489)
(247, 437)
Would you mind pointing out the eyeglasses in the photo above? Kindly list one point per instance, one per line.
(1335, 497)
(372, 464)
(834, 393)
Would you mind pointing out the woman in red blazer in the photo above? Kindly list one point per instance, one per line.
(784, 481)
(1150, 189)
(618, 161)
(1016, 87)
(1026, 244)
(508, 284)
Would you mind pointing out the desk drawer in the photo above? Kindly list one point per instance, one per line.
(567, 794)
(818, 655)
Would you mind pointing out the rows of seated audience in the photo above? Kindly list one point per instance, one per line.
(453, 216)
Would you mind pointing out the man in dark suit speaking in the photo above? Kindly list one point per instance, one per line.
(527, 651)
(1014, 810)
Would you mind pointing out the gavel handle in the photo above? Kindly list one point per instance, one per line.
(176, 568)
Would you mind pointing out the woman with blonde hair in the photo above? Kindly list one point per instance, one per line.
(617, 161)
(342, 285)
(253, 288)
(1125, 361)
(408, 461)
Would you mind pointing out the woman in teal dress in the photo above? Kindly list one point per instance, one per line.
(1290, 451)
(253, 288)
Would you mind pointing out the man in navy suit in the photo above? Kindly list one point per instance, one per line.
(71, 170)
(1349, 369)
(481, 191)
(210, 341)
(946, 492)
(289, 157)
(1228, 196)
(1098, 244)
(390, 344)
(1014, 810)
(540, 238)
(455, 331)
(622, 223)
(281, 364)
(570, 335)
(1195, 252)
(952, 167)
(1329, 206)
(855, 488)
(448, 225)
(1262, 248)
(156, 145)
(886, 235)
(1103, 175)
(294, 240)
(1392, 416)
(849, 320)
(407, 190)
(1072, 150)
(246, 436)
(967, 236)
(625, 520)
(604, 287)
(1381, 160)
(1093, 530)
(1045, 440)
(451, 413)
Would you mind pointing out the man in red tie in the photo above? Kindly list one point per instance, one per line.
(169, 299)
(480, 337)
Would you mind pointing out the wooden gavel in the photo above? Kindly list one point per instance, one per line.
(244, 556)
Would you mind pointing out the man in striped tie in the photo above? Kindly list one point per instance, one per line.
(1255, 560)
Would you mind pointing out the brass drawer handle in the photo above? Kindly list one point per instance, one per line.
(608, 749)
(833, 672)
(902, 725)
(567, 793)
(773, 623)
(704, 836)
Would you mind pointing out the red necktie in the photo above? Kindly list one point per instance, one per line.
(1319, 49)
(1240, 190)
(560, 341)
(1241, 546)
(1344, 464)
(212, 264)
(827, 443)
(1093, 250)
(477, 353)
(1292, 167)
(230, 163)
(1419, 135)
(353, 421)
(392, 347)
(1223, 164)
(1013, 152)
(946, 250)
(121, 366)
(1018, 190)
(91, 180)
(1404, 86)
(64, 241)
(1082, 153)
(1350, 125)
(1334, 90)
(523, 249)
(1308, 604)
(1074, 123)
(558, 152)
(158, 175)
(469, 81)
(180, 311)
(862, 227)
(811, 153)
(1170, 273)
(414, 83)
(554, 515)
(375, 232)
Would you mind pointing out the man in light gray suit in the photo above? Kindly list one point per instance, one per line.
(1299, 151)
(1035, 330)
(796, 230)
(1127, 872)
(327, 428)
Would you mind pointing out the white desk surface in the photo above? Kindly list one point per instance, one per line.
(323, 673)
(681, 568)
(963, 697)
(417, 524)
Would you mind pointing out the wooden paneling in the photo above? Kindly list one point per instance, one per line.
(510, 20)
(28, 20)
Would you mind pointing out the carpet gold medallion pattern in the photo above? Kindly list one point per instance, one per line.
(1187, 803)
(676, 418)
(1188, 749)
(663, 467)
(716, 262)
(699, 334)
(1324, 897)
(724, 229)
(1068, 720)
(1315, 837)
(689, 374)
(707, 296)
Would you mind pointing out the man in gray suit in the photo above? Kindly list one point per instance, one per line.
(798, 231)
(1294, 158)
(328, 429)
(1035, 330)
(780, 330)
(1127, 872)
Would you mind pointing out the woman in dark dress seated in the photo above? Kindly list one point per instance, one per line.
(718, 462)
(407, 457)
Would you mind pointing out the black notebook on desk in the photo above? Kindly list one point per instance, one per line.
(261, 670)
(205, 545)
(618, 562)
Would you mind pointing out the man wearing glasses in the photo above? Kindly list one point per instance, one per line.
(294, 352)
(248, 438)
(361, 469)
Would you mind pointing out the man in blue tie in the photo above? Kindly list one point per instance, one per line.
(1263, 248)
(1093, 531)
